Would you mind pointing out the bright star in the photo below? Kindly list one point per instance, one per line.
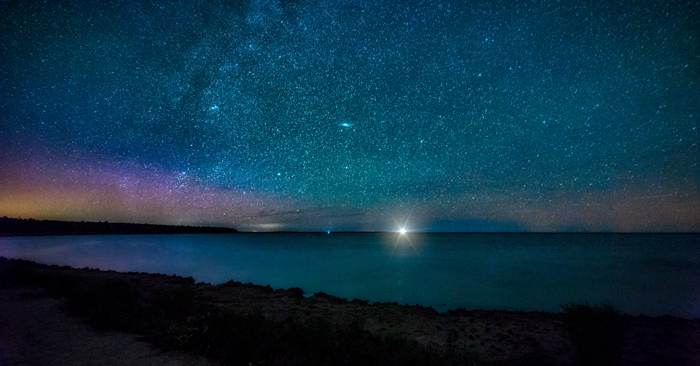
(402, 235)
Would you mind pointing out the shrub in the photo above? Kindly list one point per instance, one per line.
(243, 338)
(175, 301)
(109, 303)
(597, 332)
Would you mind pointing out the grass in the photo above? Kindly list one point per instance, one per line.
(243, 339)
(597, 332)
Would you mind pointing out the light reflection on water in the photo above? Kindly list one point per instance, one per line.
(651, 274)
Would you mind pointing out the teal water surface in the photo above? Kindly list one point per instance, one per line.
(652, 274)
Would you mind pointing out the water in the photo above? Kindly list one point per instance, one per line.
(652, 274)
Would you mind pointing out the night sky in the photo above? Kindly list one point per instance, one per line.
(353, 115)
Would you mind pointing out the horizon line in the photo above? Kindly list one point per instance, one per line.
(465, 232)
(238, 231)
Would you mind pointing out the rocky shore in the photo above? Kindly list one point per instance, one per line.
(181, 308)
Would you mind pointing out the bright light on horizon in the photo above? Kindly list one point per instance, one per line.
(403, 231)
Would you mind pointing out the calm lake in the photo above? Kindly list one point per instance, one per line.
(652, 274)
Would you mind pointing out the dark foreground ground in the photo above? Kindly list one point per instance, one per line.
(59, 315)
(35, 330)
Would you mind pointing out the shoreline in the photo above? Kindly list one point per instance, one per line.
(499, 337)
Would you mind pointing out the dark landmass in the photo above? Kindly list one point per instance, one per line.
(31, 227)
(244, 324)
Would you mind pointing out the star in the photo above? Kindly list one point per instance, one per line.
(366, 109)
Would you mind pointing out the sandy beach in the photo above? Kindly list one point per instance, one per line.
(499, 337)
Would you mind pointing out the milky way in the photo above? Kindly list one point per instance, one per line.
(353, 115)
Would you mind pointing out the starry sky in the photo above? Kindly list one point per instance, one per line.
(353, 115)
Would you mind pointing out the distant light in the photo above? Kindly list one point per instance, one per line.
(328, 231)
(402, 231)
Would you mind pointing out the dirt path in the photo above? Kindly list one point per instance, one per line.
(34, 330)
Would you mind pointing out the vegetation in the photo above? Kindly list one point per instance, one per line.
(18, 227)
(597, 332)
